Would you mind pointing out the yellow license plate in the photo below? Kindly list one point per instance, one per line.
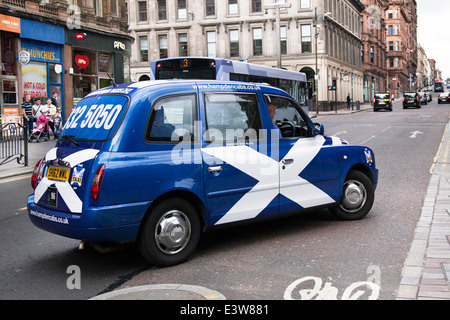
(60, 174)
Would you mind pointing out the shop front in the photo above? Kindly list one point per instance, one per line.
(9, 88)
(97, 60)
(42, 73)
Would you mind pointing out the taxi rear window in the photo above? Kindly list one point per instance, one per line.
(382, 96)
(96, 118)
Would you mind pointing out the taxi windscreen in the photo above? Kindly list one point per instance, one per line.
(95, 118)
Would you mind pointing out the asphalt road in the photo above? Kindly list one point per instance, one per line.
(261, 261)
(255, 261)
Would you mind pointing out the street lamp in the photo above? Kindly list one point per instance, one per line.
(316, 74)
(277, 6)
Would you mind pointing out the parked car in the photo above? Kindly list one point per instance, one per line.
(411, 99)
(382, 101)
(423, 98)
(159, 162)
(443, 98)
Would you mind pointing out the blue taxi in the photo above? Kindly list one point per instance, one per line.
(160, 162)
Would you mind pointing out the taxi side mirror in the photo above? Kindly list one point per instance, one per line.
(318, 129)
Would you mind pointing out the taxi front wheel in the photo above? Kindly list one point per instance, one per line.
(170, 233)
(357, 197)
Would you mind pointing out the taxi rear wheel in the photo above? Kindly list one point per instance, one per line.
(357, 197)
(170, 233)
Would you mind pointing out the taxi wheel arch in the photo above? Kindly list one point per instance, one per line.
(357, 196)
(170, 232)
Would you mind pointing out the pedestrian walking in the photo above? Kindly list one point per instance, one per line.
(348, 101)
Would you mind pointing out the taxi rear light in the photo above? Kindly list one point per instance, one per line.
(97, 182)
(35, 174)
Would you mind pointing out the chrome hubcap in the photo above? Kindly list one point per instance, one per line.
(355, 196)
(172, 232)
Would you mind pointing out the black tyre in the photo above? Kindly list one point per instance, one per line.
(357, 197)
(170, 234)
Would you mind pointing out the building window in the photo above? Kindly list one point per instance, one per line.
(210, 8)
(211, 43)
(257, 42)
(283, 40)
(256, 6)
(397, 62)
(391, 45)
(114, 7)
(306, 38)
(162, 15)
(281, 1)
(9, 92)
(305, 4)
(142, 9)
(391, 62)
(233, 7)
(143, 48)
(183, 44)
(182, 10)
(371, 55)
(396, 45)
(234, 43)
(162, 46)
(98, 8)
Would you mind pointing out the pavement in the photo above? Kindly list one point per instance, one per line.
(426, 271)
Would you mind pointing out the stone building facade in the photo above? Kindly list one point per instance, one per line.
(245, 30)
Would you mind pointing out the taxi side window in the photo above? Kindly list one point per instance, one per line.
(172, 119)
(287, 117)
(232, 117)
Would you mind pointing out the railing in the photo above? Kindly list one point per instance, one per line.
(14, 144)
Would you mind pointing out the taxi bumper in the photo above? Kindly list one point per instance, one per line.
(105, 223)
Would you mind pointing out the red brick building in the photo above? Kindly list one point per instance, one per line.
(401, 45)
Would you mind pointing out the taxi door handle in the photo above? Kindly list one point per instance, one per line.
(286, 161)
(215, 169)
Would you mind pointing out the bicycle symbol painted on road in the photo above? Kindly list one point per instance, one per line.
(310, 288)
